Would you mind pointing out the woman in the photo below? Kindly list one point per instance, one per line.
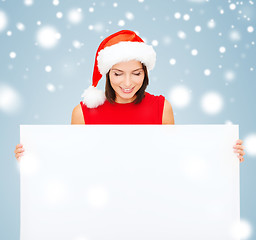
(125, 59)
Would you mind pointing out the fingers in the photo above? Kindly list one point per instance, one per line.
(241, 159)
(239, 147)
(241, 152)
(19, 148)
(19, 145)
(19, 155)
(239, 141)
(19, 151)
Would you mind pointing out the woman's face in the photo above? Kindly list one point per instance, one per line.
(126, 78)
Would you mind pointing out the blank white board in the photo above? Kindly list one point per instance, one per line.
(123, 182)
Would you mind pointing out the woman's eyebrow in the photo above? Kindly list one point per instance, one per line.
(122, 71)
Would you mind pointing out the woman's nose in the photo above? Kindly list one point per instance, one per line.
(127, 80)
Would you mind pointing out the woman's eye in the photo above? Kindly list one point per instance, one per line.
(137, 74)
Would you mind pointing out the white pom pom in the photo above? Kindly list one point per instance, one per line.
(93, 97)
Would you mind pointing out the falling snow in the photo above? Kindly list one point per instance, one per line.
(12, 55)
(180, 96)
(129, 16)
(241, 230)
(198, 28)
(59, 15)
(232, 6)
(47, 37)
(75, 16)
(20, 26)
(229, 75)
(194, 52)
(9, 99)
(186, 17)
(181, 35)
(172, 61)
(212, 103)
(207, 72)
(177, 15)
(3, 21)
(155, 43)
(91, 9)
(234, 35)
(50, 87)
(211, 24)
(121, 23)
(48, 68)
(167, 40)
(222, 49)
(250, 144)
(55, 2)
(77, 44)
(202, 47)
(28, 2)
(250, 29)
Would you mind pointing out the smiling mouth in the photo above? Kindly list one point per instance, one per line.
(127, 90)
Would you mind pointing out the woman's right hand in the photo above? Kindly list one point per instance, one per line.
(19, 151)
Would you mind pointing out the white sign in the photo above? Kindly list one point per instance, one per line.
(129, 182)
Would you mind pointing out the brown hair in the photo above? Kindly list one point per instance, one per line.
(111, 95)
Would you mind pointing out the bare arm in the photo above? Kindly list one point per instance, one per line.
(77, 115)
(168, 117)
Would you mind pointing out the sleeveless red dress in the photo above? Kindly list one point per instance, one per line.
(148, 111)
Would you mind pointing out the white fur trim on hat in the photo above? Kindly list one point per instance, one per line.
(93, 97)
(125, 51)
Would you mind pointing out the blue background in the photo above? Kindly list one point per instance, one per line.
(72, 72)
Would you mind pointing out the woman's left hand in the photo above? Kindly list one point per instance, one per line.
(239, 148)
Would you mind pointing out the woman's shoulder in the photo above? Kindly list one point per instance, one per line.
(168, 117)
(77, 115)
(165, 106)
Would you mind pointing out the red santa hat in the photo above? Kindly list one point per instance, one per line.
(121, 46)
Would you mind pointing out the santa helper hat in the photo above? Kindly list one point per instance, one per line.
(121, 46)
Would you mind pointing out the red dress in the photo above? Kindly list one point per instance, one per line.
(148, 111)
